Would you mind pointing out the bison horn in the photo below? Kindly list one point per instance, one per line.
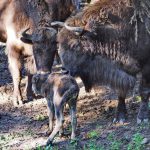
(25, 35)
(26, 38)
(57, 23)
(74, 29)
(62, 24)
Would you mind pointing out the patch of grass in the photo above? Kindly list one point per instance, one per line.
(111, 136)
(92, 145)
(136, 142)
(115, 144)
(40, 117)
(138, 98)
(92, 134)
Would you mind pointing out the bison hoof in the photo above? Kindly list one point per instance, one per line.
(120, 121)
(30, 98)
(143, 113)
(17, 102)
(120, 118)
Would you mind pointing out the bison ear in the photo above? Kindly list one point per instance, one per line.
(26, 38)
(89, 35)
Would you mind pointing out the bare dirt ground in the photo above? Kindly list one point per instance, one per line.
(23, 128)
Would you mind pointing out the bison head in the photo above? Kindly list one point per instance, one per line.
(44, 47)
(74, 59)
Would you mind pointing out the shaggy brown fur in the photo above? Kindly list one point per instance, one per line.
(58, 89)
(18, 15)
(109, 51)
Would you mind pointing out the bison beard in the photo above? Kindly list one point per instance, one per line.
(109, 50)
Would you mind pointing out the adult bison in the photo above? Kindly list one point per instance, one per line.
(108, 43)
(18, 15)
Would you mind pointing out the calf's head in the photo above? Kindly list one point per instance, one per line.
(38, 83)
(44, 47)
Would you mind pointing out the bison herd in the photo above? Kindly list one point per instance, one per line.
(105, 43)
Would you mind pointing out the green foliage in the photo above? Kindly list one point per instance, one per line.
(110, 136)
(138, 98)
(115, 144)
(40, 117)
(92, 145)
(136, 142)
(92, 134)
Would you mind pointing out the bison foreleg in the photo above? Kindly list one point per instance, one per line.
(14, 67)
(136, 89)
(143, 114)
(121, 111)
(28, 88)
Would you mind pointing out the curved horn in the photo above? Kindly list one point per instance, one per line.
(74, 29)
(25, 35)
(26, 38)
(57, 23)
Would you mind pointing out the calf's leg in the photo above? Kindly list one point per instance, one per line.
(50, 114)
(72, 106)
(58, 126)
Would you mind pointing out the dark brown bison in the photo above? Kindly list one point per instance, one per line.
(108, 43)
(58, 89)
(18, 15)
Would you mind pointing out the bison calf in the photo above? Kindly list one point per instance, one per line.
(58, 89)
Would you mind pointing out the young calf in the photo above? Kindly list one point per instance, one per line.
(58, 89)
